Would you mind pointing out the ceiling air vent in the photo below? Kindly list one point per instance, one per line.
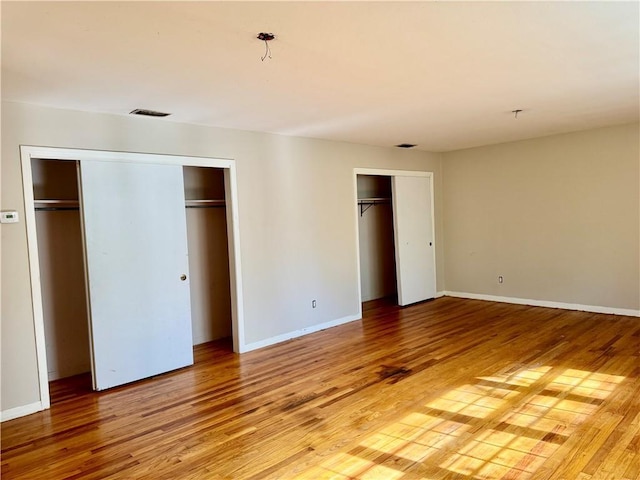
(148, 113)
(405, 145)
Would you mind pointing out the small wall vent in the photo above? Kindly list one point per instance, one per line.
(406, 145)
(148, 113)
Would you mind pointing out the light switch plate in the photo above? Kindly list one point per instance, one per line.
(9, 217)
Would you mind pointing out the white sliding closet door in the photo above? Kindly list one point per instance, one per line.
(413, 233)
(136, 260)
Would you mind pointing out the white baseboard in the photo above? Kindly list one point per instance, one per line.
(20, 411)
(298, 333)
(544, 303)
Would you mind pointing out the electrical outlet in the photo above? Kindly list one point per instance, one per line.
(500, 279)
(313, 304)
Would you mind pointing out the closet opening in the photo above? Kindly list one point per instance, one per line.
(62, 275)
(376, 240)
(208, 247)
(396, 237)
(63, 284)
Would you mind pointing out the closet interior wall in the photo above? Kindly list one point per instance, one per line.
(61, 261)
(60, 255)
(208, 254)
(375, 230)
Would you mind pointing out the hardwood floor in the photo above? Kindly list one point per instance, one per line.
(448, 389)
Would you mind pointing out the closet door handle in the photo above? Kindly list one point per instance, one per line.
(183, 277)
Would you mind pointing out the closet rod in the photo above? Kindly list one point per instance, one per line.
(55, 209)
(204, 206)
(48, 205)
(204, 203)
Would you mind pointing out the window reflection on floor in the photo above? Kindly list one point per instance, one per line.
(500, 427)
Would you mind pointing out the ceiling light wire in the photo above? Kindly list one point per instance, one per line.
(266, 38)
(267, 51)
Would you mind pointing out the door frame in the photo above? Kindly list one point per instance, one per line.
(27, 153)
(390, 173)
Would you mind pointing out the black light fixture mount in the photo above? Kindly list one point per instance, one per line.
(148, 113)
(266, 38)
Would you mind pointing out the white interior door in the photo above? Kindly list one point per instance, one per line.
(413, 233)
(135, 243)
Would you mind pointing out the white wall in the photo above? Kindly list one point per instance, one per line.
(558, 217)
(297, 220)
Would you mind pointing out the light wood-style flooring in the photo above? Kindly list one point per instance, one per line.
(448, 389)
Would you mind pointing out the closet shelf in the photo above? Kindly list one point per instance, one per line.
(366, 203)
(51, 204)
(204, 203)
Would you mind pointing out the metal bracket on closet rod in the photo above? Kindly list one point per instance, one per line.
(366, 203)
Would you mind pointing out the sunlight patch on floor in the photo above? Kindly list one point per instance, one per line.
(502, 427)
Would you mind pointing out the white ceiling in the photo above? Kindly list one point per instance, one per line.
(443, 75)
